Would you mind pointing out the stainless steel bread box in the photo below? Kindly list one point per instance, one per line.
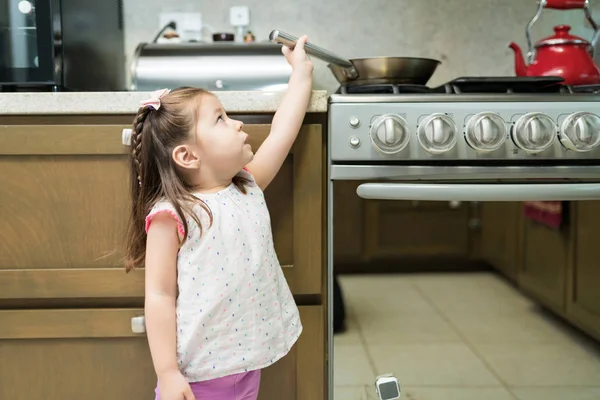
(213, 66)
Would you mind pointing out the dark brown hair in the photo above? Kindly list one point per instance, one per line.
(154, 175)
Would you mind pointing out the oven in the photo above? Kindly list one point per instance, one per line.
(26, 42)
(61, 45)
(470, 140)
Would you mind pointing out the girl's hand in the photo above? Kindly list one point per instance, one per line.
(173, 386)
(297, 58)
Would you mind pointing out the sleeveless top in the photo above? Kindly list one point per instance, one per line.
(235, 311)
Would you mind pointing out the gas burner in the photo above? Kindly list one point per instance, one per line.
(504, 84)
(476, 85)
(383, 89)
(589, 89)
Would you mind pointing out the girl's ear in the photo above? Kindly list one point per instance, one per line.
(186, 156)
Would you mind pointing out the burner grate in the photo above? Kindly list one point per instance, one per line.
(477, 85)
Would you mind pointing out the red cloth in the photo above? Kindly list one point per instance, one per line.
(549, 213)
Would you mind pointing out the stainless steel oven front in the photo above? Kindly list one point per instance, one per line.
(433, 148)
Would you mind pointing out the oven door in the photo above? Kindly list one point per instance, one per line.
(466, 183)
(26, 42)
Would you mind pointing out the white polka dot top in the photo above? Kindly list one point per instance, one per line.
(235, 311)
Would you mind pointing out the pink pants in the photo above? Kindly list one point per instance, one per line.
(242, 386)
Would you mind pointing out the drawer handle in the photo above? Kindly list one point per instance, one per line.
(138, 324)
(126, 137)
(288, 266)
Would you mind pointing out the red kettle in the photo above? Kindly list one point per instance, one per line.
(562, 54)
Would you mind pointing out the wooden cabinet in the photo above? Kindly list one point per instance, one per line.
(66, 201)
(416, 229)
(559, 268)
(295, 198)
(501, 236)
(583, 296)
(65, 301)
(372, 231)
(544, 268)
(92, 354)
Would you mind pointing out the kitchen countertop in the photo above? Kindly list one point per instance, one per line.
(128, 102)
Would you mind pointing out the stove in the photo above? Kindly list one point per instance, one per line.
(468, 121)
(469, 140)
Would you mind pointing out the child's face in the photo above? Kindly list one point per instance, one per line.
(222, 142)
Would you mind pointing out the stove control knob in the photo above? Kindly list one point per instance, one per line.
(390, 133)
(437, 133)
(486, 132)
(580, 132)
(354, 122)
(534, 132)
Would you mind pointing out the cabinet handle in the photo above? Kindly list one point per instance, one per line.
(138, 324)
(126, 137)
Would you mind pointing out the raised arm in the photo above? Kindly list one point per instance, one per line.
(288, 118)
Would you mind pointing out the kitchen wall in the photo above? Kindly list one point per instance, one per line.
(470, 37)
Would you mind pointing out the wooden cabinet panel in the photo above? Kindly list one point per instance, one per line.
(348, 223)
(66, 199)
(295, 199)
(72, 354)
(501, 235)
(93, 354)
(544, 269)
(415, 229)
(583, 301)
(301, 375)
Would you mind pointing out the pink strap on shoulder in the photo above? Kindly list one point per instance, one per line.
(173, 215)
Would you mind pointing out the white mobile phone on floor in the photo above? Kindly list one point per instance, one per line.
(387, 387)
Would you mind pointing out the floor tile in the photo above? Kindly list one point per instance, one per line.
(447, 393)
(351, 335)
(472, 292)
(432, 364)
(402, 299)
(535, 364)
(351, 366)
(557, 393)
(398, 328)
(532, 326)
(350, 393)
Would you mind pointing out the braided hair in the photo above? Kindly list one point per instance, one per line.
(154, 176)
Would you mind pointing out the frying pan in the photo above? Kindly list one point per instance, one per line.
(367, 71)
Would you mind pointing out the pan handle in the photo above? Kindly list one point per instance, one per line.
(288, 40)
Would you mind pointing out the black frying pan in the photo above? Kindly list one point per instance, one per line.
(366, 71)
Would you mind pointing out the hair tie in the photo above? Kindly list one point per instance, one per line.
(154, 101)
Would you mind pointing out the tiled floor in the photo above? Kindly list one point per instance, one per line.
(458, 337)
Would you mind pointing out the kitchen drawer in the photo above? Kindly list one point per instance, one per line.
(66, 201)
(73, 354)
(92, 354)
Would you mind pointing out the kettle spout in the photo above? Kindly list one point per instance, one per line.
(520, 66)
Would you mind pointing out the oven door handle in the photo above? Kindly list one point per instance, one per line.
(480, 192)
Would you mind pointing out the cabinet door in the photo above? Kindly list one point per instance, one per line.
(92, 354)
(66, 203)
(301, 375)
(348, 223)
(415, 229)
(543, 271)
(296, 204)
(73, 354)
(583, 300)
(500, 236)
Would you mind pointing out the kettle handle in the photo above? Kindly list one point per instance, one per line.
(565, 4)
(562, 5)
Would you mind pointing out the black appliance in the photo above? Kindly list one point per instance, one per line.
(62, 45)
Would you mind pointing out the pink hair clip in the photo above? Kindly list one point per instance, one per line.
(154, 100)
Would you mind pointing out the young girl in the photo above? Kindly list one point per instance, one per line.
(217, 306)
